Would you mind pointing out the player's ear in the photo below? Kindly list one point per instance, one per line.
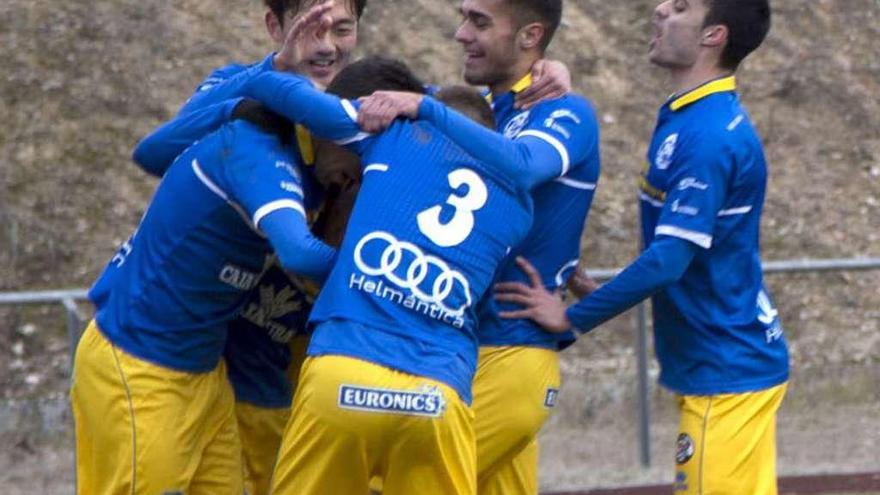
(274, 27)
(715, 36)
(529, 36)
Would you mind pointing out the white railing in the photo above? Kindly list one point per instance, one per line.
(69, 298)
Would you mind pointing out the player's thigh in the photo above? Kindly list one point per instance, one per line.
(105, 436)
(220, 470)
(727, 443)
(176, 416)
(260, 431)
(361, 419)
(432, 454)
(519, 476)
(321, 440)
(515, 389)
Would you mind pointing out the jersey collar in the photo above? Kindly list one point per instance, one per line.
(517, 87)
(710, 88)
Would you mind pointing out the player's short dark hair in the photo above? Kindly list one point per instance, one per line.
(468, 101)
(280, 7)
(547, 12)
(371, 74)
(747, 21)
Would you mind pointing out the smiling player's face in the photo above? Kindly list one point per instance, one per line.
(323, 58)
(487, 34)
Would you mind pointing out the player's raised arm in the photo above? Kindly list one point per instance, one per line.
(213, 101)
(533, 157)
(326, 116)
(157, 151)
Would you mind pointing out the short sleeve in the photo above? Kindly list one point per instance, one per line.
(697, 190)
(266, 183)
(569, 125)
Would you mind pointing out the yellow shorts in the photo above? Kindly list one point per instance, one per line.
(353, 420)
(515, 389)
(145, 429)
(260, 429)
(727, 443)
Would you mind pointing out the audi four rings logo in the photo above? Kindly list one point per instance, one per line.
(416, 273)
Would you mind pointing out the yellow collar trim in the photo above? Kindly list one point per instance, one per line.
(517, 87)
(710, 88)
(306, 146)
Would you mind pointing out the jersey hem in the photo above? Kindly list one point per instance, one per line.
(728, 388)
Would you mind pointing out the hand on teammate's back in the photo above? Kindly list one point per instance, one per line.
(379, 110)
(539, 305)
(314, 22)
(550, 79)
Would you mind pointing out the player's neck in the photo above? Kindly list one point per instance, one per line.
(522, 67)
(684, 80)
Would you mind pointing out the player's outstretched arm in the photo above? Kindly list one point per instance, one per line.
(158, 150)
(299, 251)
(550, 79)
(663, 263)
(209, 107)
(528, 158)
(326, 116)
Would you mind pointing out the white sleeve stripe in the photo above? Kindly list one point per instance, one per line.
(350, 110)
(563, 153)
(357, 137)
(698, 238)
(208, 182)
(296, 190)
(353, 115)
(649, 199)
(742, 210)
(586, 186)
(219, 192)
(376, 167)
(275, 206)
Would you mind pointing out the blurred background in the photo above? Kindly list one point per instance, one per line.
(83, 80)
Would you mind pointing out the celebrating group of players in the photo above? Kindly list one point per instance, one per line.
(358, 288)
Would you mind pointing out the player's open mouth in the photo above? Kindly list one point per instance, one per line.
(472, 56)
(322, 64)
(656, 36)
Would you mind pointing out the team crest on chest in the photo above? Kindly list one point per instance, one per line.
(515, 125)
(664, 154)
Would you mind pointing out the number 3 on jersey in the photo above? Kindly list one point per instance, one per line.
(460, 226)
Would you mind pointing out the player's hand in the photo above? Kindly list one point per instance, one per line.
(550, 79)
(580, 284)
(539, 305)
(314, 22)
(379, 110)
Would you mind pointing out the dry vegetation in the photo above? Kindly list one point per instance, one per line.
(83, 80)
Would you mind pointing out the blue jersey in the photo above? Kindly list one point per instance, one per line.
(428, 230)
(258, 346)
(257, 350)
(561, 208)
(169, 293)
(716, 329)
